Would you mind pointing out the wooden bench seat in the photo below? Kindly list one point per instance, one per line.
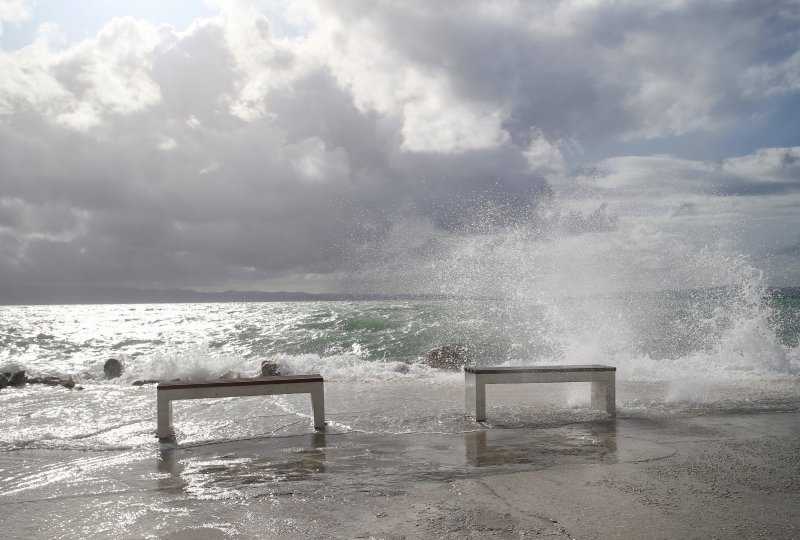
(603, 379)
(257, 386)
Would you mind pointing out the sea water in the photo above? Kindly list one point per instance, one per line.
(706, 348)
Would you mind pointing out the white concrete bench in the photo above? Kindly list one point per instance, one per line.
(603, 379)
(257, 386)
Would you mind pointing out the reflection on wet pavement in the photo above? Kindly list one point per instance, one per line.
(249, 470)
(259, 467)
(593, 442)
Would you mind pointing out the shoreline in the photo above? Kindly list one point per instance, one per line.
(703, 476)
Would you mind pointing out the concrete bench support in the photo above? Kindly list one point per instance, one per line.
(603, 379)
(257, 386)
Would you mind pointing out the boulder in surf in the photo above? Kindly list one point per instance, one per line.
(450, 357)
(113, 368)
(19, 378)
(269, 369)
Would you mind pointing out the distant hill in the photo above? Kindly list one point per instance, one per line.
(113, 295)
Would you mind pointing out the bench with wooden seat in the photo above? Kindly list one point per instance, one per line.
(258, 386)
(603, 379)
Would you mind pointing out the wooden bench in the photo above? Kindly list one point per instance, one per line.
(603, 379)
(257, 386)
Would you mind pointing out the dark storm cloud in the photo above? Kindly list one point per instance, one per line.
(594, 71)
(225, 156)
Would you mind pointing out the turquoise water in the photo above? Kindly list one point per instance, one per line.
(645, 335)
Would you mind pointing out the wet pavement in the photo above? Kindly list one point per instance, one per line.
(724, 476)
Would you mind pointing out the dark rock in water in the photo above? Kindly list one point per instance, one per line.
(452, 357)
(113, 368)
(269, 369)
(51, 380)
(230, 374)
(145, 381)
(18, 379)
(3, 380)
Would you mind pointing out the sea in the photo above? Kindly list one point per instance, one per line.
(85, 462)
(709, 349)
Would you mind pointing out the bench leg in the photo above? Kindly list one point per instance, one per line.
(475, 396)
(164, 414)
(318, 406)
(604, 395)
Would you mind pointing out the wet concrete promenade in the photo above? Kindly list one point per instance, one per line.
(708, 476)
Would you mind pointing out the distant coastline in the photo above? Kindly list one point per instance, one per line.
(112, 295)
(102, 295)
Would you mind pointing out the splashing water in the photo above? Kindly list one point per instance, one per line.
(573, 287)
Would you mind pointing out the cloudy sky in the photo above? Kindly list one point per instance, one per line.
(301, 145)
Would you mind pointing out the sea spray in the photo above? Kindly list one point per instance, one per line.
(590, 286)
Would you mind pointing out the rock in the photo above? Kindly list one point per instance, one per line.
(269, 369)
(18, 379)
(451, 357)
(145, 381)
(3, 380)
(50, 380)
(113, 368)
(230, 374)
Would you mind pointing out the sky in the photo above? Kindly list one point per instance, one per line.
(360, 145)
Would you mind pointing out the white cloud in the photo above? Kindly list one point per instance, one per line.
(773, 79)
(81, 86)
(768, 165)
(315, 163)
(769, 170)
(434, 123)
(544, 157)
(13, 11)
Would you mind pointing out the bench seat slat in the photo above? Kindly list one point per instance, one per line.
(537, 369)
(254, 381)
